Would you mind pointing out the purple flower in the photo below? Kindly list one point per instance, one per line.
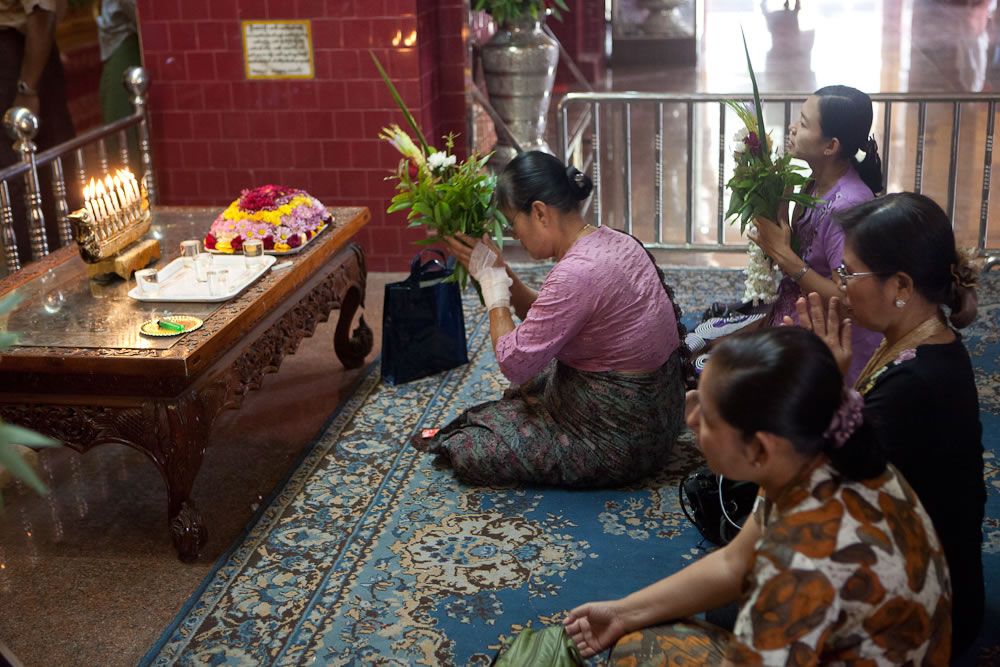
(753, 143)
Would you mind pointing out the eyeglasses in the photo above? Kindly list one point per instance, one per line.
(845, 276)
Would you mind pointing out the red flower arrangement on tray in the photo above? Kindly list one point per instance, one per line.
(282, 218)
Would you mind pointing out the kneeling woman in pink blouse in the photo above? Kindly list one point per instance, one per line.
(597, 391)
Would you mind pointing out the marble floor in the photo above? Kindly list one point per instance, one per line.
(87, 573)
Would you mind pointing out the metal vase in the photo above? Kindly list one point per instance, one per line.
(519, 64)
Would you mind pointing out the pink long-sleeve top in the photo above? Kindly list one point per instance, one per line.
(601, 308)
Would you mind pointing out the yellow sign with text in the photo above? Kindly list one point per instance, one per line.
(278, 50)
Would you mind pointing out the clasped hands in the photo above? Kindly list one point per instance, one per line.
(484, 260)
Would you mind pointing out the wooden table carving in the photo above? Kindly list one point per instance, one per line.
(163, 402)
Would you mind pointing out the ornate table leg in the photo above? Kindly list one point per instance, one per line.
(171, 433)
(183, 430)
(353, 348)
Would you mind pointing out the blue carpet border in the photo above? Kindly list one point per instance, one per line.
(265, 505)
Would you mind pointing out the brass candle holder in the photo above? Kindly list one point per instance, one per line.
(110, 226)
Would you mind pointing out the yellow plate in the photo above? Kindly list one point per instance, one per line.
(151, 328)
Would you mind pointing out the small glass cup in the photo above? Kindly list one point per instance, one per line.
(189, 250)
(218, 281)
(148, 281)
(202, 263)
(253, 254)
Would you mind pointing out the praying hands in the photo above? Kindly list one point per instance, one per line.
(828, 325)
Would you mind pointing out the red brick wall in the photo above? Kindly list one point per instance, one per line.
(215, 132)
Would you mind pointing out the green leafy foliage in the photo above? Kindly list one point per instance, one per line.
(11, 435)
(762, 181)
(438, 191)
(503, 11)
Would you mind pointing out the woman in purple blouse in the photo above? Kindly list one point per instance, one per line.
(597, 390)
(832, 129)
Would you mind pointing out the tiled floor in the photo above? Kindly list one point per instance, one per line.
(87, 574)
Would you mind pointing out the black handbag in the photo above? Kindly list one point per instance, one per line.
(716, 506)
(423, 328)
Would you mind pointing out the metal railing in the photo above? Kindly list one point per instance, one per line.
(22, 125)
(587, 139)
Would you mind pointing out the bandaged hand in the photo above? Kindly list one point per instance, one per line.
(493, 280)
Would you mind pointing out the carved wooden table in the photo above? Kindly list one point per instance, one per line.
(83, 374)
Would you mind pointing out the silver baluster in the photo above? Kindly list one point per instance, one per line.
(81, 168)
(123, 148)
(137, 83)
(102, 157)
(7, 229)
(62, 208)
(22, 126)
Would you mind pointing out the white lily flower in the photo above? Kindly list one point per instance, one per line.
(741, 134)
(440, 160)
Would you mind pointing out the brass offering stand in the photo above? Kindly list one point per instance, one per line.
(110, 226)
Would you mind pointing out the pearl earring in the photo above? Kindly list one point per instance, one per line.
(900, 303)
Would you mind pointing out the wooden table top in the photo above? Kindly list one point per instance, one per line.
(82, 332)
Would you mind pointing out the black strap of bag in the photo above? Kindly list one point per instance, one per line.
(716, 506)
(432, 268)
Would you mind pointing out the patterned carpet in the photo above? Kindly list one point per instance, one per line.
(369, 554)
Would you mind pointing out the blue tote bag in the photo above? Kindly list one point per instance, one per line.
(423, 328)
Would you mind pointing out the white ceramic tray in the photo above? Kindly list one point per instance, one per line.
(178, 283)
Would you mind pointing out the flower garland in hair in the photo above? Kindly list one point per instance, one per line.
(762, 180)
(438, 191)
(846, 419)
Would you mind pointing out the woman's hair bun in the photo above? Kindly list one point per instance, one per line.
(580, 183)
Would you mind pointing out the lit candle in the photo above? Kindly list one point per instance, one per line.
(119, 195)
(90, 211)
(101, 213)
(110, 194)
(120, 187)
(99, 198)
(126, 186)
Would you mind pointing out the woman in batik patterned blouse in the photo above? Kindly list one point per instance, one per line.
(839, 561)
(597, 390)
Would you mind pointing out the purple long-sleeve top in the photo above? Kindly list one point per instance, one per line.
(601, 308)
(821, 244)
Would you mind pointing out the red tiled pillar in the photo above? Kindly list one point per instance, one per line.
(215, 132)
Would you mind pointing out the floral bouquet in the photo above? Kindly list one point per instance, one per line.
(442, 194)
(762, 181)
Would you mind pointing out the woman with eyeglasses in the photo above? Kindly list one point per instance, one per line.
(901, 273)
(832, 129)
(597, 389)
(838, 564)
